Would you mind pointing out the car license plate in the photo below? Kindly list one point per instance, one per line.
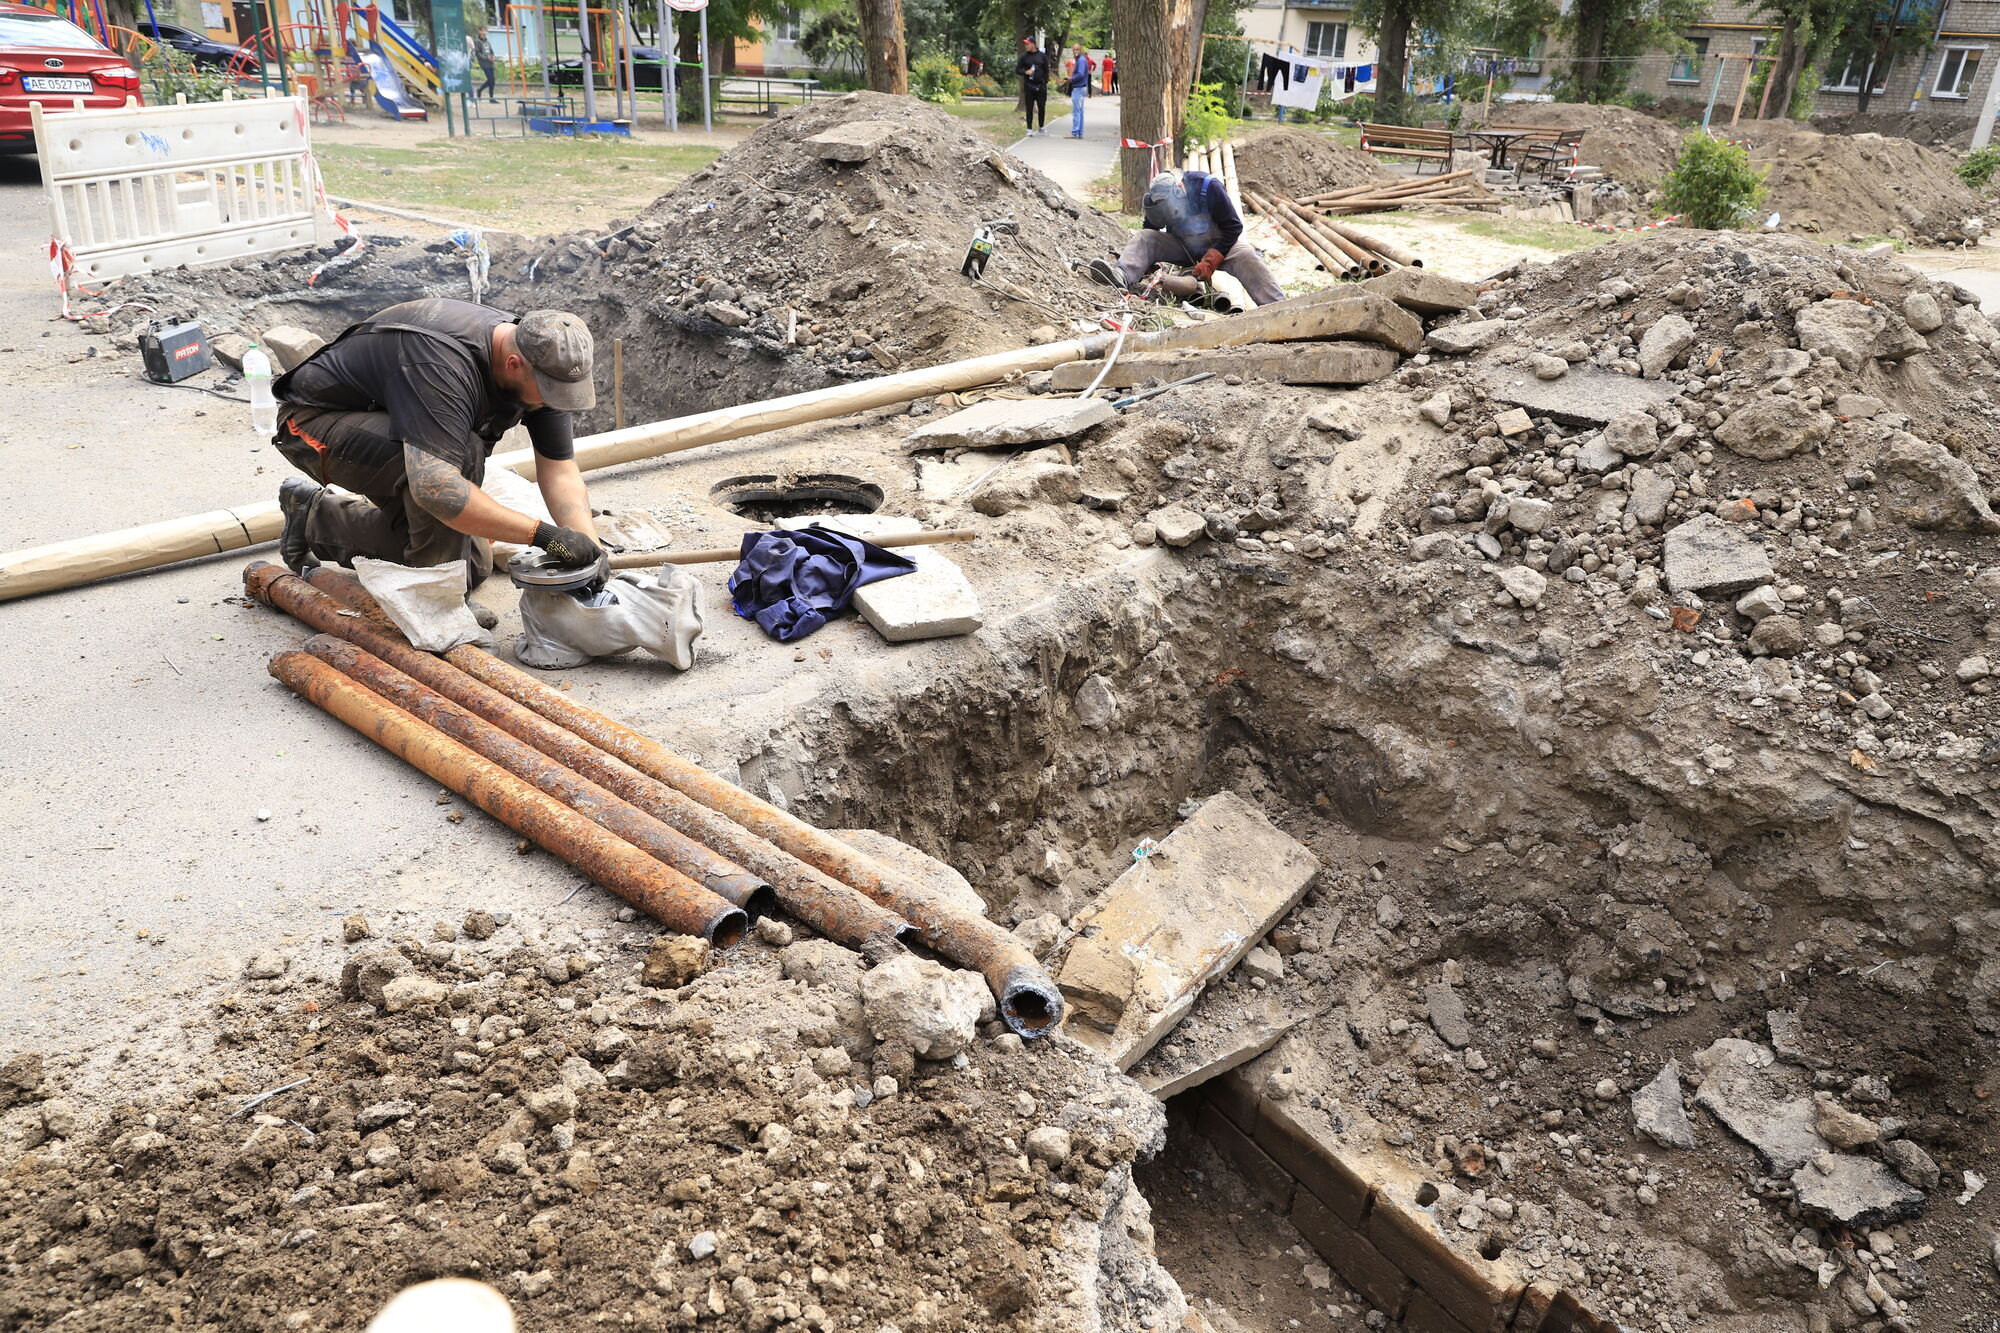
(47, 84)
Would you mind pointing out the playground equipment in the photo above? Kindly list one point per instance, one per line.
(611, 52)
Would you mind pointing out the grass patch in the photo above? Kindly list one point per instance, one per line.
(1539, 235)
(999, 123)
(522, 184)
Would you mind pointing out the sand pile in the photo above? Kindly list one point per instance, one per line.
(1299, 163)
(733, 1150)
(1847, 186)
(1626, 145)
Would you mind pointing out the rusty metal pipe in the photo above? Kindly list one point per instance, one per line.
(1027, 996)
(588, 799)
(336, 603)
(658, 890)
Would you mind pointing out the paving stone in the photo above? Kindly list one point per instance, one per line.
(1000, 423)
(1705, 554)
(1280, 363)
(1584, 397)
(856, 141)
(933, 602)
(1176, 920)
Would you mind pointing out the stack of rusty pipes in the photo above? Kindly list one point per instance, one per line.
(691, 850)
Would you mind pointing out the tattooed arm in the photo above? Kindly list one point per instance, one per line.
(442, 492)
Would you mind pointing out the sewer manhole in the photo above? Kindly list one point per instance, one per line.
(770, 498)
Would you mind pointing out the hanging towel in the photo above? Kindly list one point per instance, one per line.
(792, 582)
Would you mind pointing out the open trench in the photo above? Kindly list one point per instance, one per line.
(1492, 818)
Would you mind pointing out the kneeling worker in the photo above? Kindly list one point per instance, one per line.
(1190, 220)
(402, 410)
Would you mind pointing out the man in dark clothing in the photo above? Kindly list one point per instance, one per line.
(402, 410)
(1033, 69)
(1190, 220)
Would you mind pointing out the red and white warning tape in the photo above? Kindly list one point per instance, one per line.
(345, 257)
(1654, 225)
(1153, 151)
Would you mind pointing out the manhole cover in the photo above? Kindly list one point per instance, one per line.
(771, 498)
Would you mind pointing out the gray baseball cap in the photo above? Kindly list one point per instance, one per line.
(557, 344)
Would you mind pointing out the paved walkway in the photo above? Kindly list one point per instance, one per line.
(1074, 164)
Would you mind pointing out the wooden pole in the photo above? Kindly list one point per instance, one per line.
(1742, 88)
(1229, 173)
(148, 546)
(618, 383)
(717, 554)
(1384, 187)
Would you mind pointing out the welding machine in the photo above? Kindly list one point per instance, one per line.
(174, 351)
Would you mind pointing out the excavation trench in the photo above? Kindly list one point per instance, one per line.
(1493, 823)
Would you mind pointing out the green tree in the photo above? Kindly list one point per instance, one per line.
(1605, 35)
(832, 40)
(1390, 24)
(1875, 34)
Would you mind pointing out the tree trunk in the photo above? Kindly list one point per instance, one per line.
(1392, 74)
(1155, 44)
(1591, 36)
(882, 39)
(1881, 60)
(1784, 75)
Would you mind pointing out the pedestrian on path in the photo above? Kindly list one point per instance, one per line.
(1079, 89)
(1110, 73)
(1033, 70)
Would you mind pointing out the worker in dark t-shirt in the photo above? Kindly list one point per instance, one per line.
(1032, 67)
(401, 411)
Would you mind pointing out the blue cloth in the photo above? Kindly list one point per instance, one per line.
(792, 582)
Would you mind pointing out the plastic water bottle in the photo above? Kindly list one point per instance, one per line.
(263, 405)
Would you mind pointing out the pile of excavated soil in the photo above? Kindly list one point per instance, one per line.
(1300, 163)
(1947, 133)
(1627, 145)
(1846, 186)
(734, 1151)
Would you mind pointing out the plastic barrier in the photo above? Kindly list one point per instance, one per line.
(137, 189)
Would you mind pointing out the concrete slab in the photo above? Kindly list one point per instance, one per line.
(1000, 423)
(1281, 363)
(1247, 1041)
(1705, 554)
(856, 141)
(1179, 918)
(935, 602)
(1584, 397)
(1423, 291)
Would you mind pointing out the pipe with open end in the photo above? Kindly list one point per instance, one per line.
(588, 799)
(329, 600)
(658, 890)
(1027, 996)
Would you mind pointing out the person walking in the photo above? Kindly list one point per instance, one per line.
(1033, 69)
(1110, 73)
(482, 51)
(1079, 89)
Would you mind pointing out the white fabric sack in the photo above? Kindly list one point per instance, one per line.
(427, 604)
(519, 494)
(659, 611)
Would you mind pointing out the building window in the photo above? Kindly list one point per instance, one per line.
(1958, 69)
(1847, 79)
(1328, 41)
(785, 29)
(1687, 68)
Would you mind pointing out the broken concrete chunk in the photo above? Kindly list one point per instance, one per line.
(1766, 1104)
(1423, 291)
(856, 141)
(1912, 1163)
(1633, 434)
(926, 1008)
(1649, 494)
(1857, 406)
(289, 345)
(1659, 1113)
(1927, 487)
(1526, 586)
(1667, 339)
(1436, 409)
(1921, 310)
(229, 349)
(1177, 525)
(1465, 336)
(1263, 963)
(1844, 330)
(1774, 427)
(1000, 423)
(1854, 1191)
(1760, 602)
(1445, 1007)
(1584, 397)
(1182, 916)
(1037, 478)
(1844, 1128)
(933, 601)
(1280, 363)
(412, 993)
(1705, 554)
(673, 961)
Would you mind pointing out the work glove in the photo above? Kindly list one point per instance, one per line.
(1205, 269)
(566, 546)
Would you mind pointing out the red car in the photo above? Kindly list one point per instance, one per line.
(45, 58)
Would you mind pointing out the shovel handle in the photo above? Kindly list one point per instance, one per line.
(651, 559)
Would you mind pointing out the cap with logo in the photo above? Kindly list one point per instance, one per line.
(556, 344)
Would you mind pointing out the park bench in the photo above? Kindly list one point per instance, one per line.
(1406, 141)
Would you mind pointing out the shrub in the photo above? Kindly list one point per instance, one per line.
(984, 85)
(935, 78)
(1639, 99)
(170, 71)
(1713, 184)
(1359, 107)
(1207, 115)
(1976, 168)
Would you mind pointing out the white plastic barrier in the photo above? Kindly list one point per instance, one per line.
(142, 188)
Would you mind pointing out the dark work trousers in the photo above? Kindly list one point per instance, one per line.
(356, 452)
(1036, 97)
(485, 89)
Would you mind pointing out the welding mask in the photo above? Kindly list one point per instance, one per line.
(1170, 206)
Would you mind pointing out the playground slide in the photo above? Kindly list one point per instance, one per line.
(412, 61)
(389, 93)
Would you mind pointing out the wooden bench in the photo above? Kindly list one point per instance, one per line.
(1404, 141)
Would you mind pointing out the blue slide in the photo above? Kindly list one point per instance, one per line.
(389, 92)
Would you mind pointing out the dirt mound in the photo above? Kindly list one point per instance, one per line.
(600, 1151)
(1299, 163)
(1626, 145)
(1846, 186)
(1952, 134)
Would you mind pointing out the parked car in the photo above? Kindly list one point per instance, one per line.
(205, 49)
(45, 58)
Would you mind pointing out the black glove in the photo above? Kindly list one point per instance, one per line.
(566, 546)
